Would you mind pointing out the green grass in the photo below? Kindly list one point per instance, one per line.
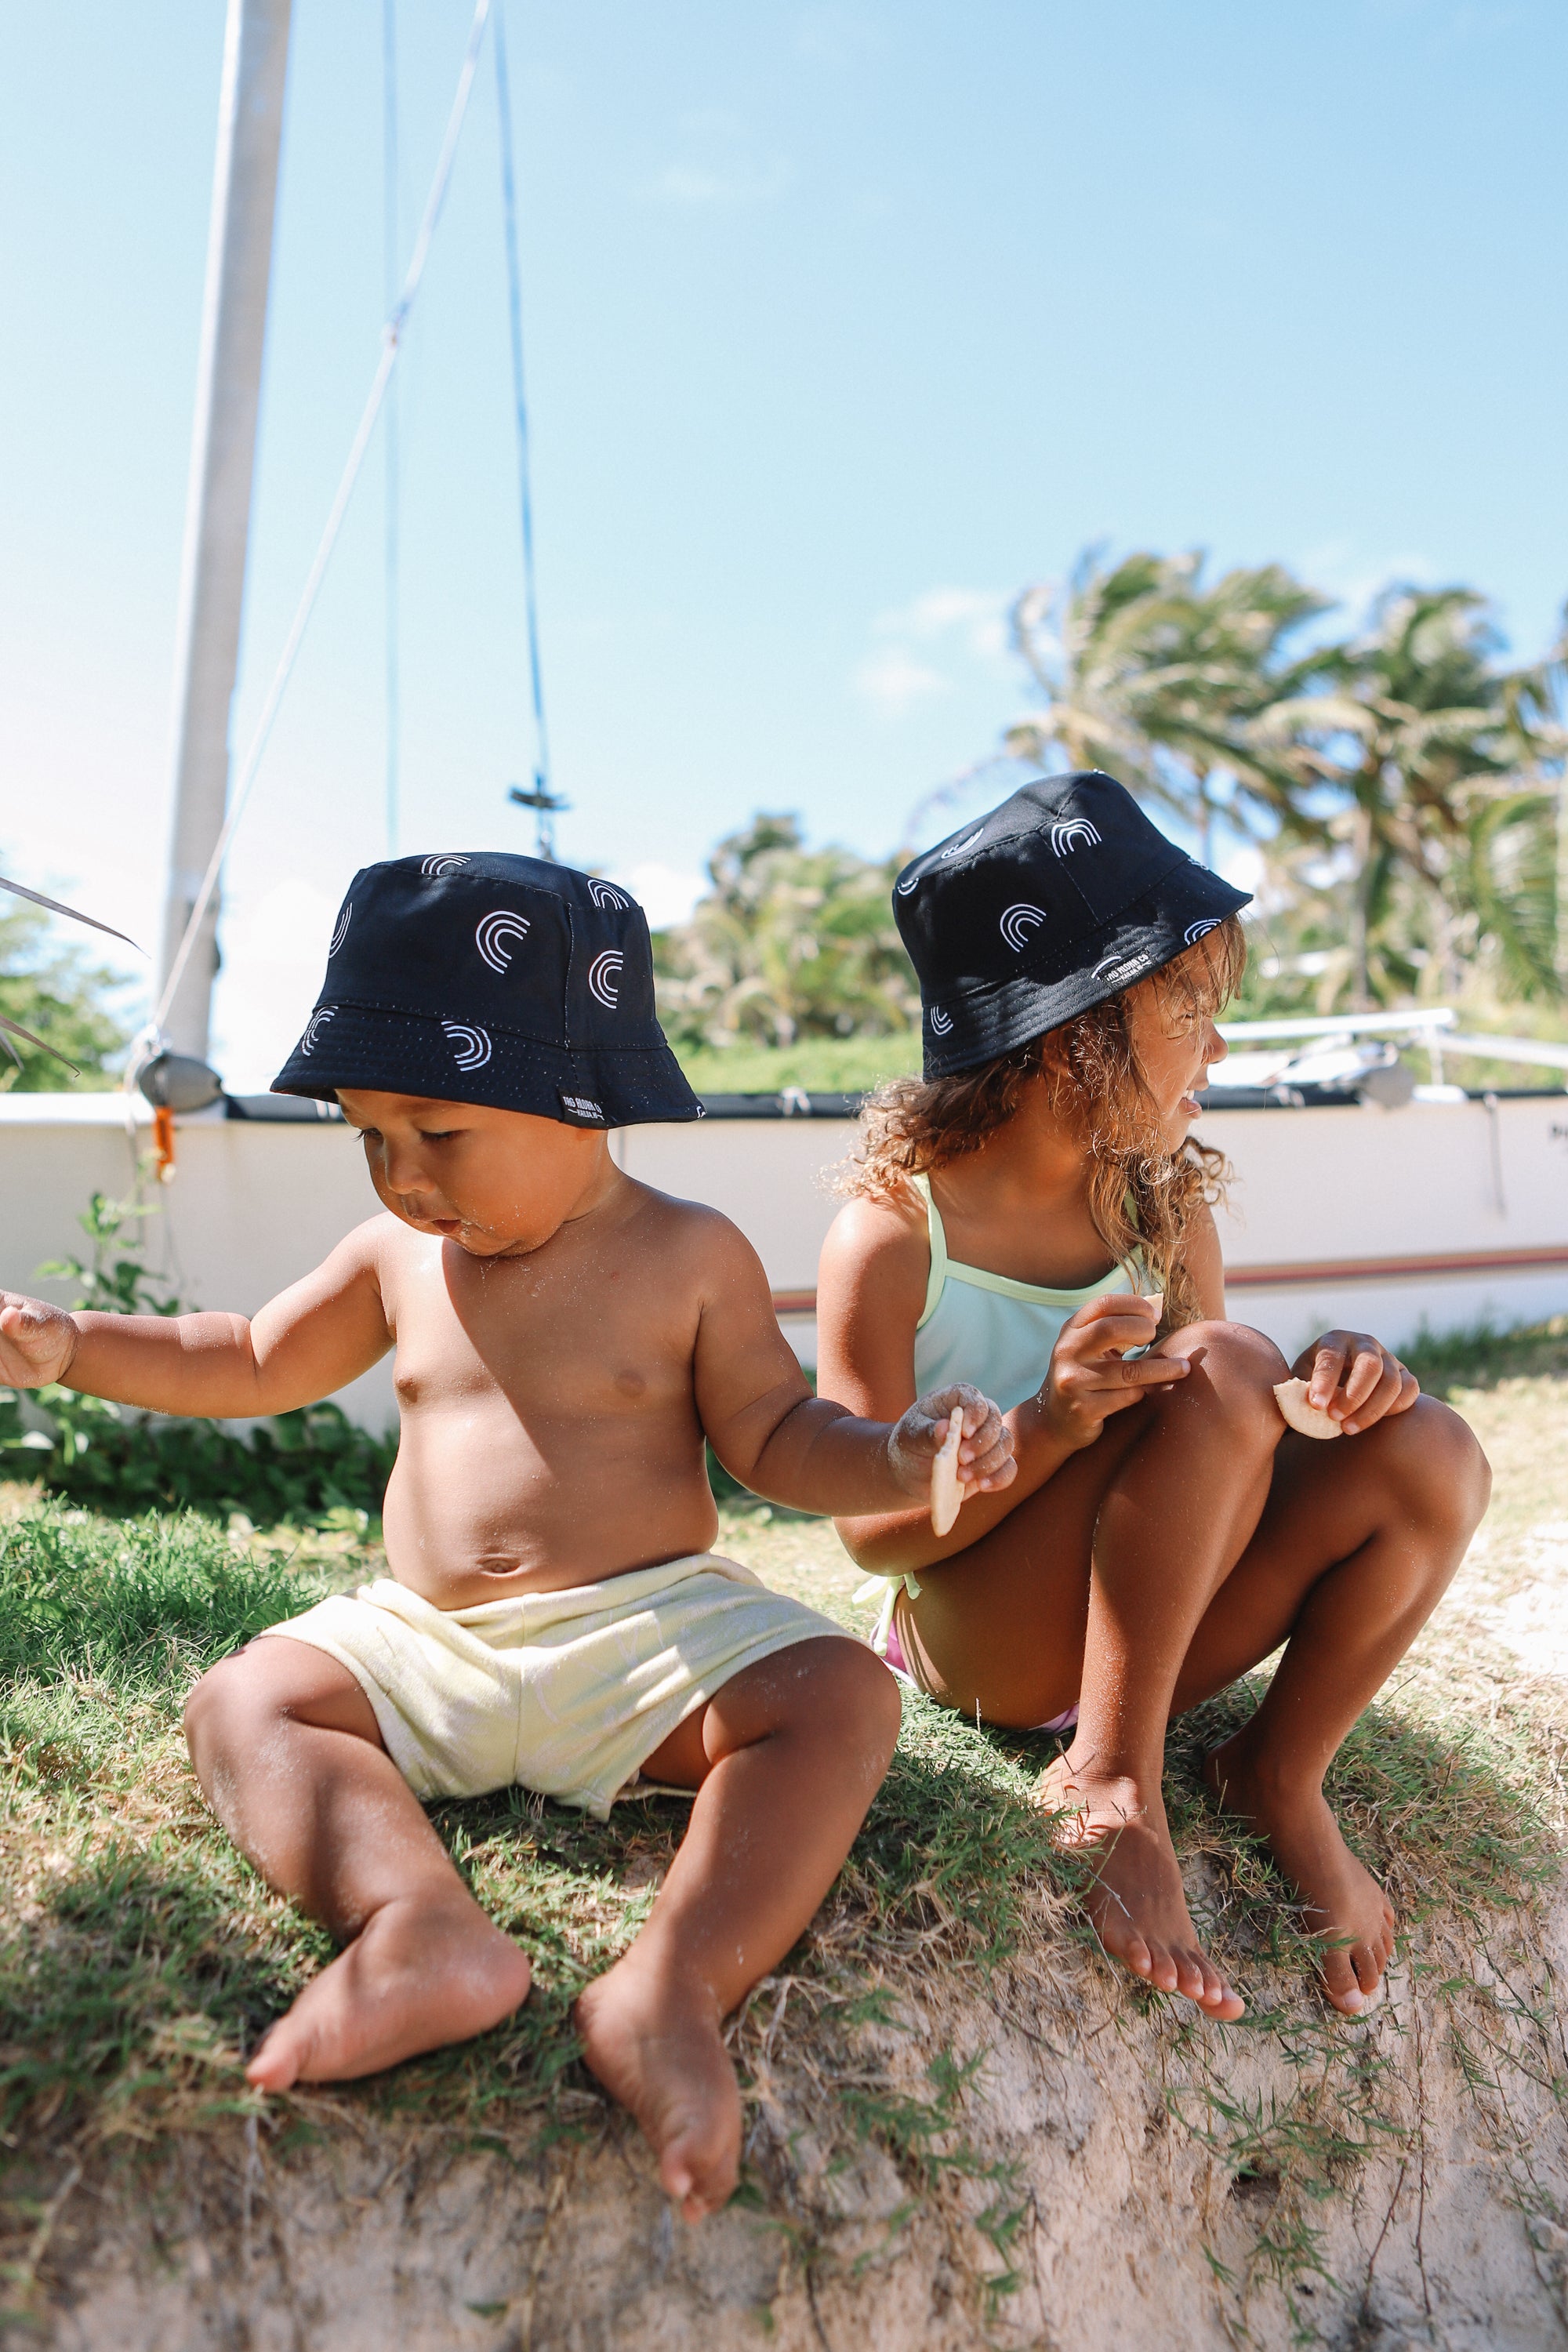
(136, 1937)
(1481, 1356)
(141, 1959)
(820, 1064)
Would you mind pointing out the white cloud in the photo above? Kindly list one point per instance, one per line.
(836, 37)
(666, 893)
(922, 643)
(693, 184)
(1340, 568)
(976, 618)
(289, 925)
(894, 681)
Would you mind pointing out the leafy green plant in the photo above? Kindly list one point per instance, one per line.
(1404, 783)
(1481, 1355)
(822, 1065)
(310, 1468)
(1436, 759)
(113, 1279)
(1149, 670)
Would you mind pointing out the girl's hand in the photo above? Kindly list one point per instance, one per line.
(1089, 1377)
(37, 1341)
(985, 1451)
(1355, 1378)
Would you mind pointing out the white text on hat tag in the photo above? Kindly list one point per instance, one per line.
(583, 1109)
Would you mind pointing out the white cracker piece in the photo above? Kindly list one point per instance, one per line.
(946, 1493)
(1290, 1396)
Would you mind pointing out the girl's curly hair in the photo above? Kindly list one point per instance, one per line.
(1141, 1198)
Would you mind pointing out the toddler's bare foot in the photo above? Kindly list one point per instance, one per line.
(1342, 1901)
(658, 2049)
(420, 1974)
(1137, 1905)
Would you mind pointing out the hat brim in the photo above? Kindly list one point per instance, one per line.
(982, 1023)
(387, 1051)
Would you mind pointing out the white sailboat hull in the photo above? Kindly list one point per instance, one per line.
(1438, 1215)
(1442, 1214)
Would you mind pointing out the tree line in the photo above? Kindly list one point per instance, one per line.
(1401, 785)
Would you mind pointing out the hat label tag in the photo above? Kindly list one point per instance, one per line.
(1114, 969)
(582, 1110)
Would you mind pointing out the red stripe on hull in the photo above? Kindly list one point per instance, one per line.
(1350, 1269)
(1393, 1269)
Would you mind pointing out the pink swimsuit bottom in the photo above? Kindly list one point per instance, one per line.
(894, 1654)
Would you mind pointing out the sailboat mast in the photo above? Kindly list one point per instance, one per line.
(218, 512)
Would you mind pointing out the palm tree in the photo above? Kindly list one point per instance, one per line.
(788, 943)
(1150, 672)
(1436, 756)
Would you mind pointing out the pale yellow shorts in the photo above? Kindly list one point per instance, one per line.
(562, 1691)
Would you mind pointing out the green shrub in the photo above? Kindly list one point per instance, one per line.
(305, 1467)
(309, 1468)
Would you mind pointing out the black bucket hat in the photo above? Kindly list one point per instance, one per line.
(1062, 896)
(492, 979)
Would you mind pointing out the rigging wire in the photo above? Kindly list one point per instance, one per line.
(389, 246)
(541, 800)
(391, 337)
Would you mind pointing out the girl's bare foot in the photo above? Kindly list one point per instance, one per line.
(1342, 1901)
(419, 1975)
(656, 2048)
(1137, 1905)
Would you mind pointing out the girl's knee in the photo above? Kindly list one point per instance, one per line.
(1250, 1354)
(1437, 1459)
(1234, 1366)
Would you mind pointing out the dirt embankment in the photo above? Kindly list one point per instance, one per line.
(1040, 2160)
(964, 2127)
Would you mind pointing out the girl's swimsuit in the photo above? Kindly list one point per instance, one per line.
(997, 1333)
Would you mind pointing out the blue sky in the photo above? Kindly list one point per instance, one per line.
(844, 324)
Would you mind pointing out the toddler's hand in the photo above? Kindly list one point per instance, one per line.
(1089, 1376)
(984, 1453)
(37, 1341)
(1355, 1378)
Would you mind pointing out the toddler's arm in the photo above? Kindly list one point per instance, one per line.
(771, 1433)
(311, 1340)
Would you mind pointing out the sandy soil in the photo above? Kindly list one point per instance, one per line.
(362, 2244)
(1447, 2226)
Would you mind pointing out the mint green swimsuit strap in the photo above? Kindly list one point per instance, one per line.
(1121, 1276)
(938, 1237)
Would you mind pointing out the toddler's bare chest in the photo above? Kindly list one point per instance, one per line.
(547, 1355)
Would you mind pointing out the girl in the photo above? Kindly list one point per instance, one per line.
(1032, 1215)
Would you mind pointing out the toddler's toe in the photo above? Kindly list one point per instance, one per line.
(699, 2171)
